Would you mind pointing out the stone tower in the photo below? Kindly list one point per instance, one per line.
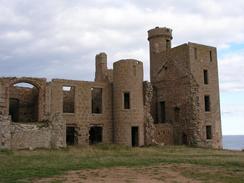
(128, 102)
(159, 41)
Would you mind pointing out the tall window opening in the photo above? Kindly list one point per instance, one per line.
(68, 99)
(161, 112)
(209, 132)
(95, 134)
(195, 53)
(96, 100)
(205, 76)
(23, 102)
(207, 103)
(126, 100)
(210, 56)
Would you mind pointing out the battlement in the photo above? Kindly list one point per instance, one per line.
(160, 32)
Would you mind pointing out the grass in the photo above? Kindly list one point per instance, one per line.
(209, 165)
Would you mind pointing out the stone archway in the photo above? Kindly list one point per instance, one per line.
(38, 100)
(23, 102)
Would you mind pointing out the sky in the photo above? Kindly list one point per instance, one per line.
(60, 38)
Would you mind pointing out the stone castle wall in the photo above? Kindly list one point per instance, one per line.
(176, 81)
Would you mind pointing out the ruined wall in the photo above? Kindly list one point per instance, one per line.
(49, 134)
(83, 118)
(174, 86)
(200, 60)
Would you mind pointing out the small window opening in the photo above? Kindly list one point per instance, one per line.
(168, 44)
(205, 76)
(195, 53)
(96, 100)
(210, 56)
(177, 114)
(162, 115)
(68, 99)
(134, 136)
(207, 103)
(209, 132)
(95, 134)
(126, 100)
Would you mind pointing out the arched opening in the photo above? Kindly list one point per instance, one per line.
(23, 102)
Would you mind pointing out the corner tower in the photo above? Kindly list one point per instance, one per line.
(159, 41)
(128, 102)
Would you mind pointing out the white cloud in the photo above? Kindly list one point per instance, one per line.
(231, 67)
(72, 30)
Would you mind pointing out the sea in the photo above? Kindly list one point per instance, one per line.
(233, 142)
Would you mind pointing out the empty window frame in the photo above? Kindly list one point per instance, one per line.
(168, 44)
(161, 112)
(207, 103)
(126, 100)
(205, 76)
(68, 99)
(96, 100)
(208, 132)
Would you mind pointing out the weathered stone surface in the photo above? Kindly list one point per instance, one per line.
(5, 135)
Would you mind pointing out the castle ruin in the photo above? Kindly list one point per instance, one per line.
(180, 104)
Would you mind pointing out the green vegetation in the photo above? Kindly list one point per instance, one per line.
(209, 165)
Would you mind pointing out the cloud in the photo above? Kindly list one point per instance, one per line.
(44, 38)
(231, 67)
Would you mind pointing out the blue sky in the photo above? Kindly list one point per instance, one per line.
(60, 38)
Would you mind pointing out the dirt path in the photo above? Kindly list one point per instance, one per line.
(155, 174)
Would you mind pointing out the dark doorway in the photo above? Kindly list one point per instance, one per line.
(14, 109)
(134, 136)
(70, 135)
(184, 139)
(95, 134)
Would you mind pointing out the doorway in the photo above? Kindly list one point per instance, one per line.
(14, 109)
(70, 135)
(95, 134)
(134, 136)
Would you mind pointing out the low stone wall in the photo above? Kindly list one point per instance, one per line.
(30, 136)
(33, 135)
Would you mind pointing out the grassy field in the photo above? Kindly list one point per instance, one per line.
(209, 165)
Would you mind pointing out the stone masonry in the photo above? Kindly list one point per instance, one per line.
(180, 104)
